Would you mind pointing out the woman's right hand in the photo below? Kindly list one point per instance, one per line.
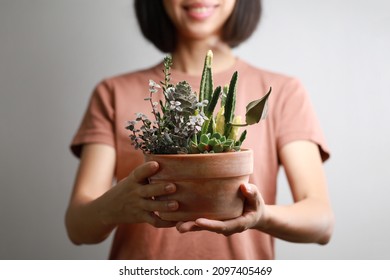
(132, 199)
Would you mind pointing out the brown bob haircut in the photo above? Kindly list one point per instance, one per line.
(157, 27)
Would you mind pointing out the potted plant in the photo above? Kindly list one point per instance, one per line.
(196, 149)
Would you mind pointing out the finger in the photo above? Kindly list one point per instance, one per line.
(144, 171)
(224, 227)
(156, 189)
(213, 225)
(156, 221)
(184, 227)
(160, 206)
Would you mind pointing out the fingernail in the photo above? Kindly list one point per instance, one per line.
(170, 188)
(247, 187)
(154, 165)
(172, 205)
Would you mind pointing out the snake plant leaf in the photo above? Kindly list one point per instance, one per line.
(257, 110)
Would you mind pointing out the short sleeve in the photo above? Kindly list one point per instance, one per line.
(97, 125)
(296, 118)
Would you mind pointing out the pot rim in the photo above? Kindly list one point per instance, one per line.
(199, 155)
(218, 165)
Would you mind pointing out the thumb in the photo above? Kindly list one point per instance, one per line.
(250, 193)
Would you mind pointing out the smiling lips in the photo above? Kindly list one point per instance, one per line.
(199, 11)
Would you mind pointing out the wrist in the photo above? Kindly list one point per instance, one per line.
(103, 214)
(264, 220)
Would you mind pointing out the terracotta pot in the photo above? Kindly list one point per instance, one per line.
(207, 184)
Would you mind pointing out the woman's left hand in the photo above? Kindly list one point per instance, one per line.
(252, 216)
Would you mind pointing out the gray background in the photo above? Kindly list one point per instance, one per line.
(52, 53)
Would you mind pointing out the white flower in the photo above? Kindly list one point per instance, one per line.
(202, 104)
(197, 120)
(153, 86)
(141, 117)
(175, 105)
(170, 92)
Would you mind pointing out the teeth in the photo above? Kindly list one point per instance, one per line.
(200, 10)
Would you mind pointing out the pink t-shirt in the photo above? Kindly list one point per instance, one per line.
(290, 117)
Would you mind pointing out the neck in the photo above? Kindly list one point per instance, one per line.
(189, 56)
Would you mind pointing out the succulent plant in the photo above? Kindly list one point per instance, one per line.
(186, 123)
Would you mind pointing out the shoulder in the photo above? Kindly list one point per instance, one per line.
(258, 79)
(133, 83)
(132, 78)
(277, 79)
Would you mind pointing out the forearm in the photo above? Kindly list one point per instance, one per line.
(85, 224)
(307, 221)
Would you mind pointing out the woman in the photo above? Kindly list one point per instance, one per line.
(290, 136)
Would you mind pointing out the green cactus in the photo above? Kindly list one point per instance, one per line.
(230, 103)
(206, 83)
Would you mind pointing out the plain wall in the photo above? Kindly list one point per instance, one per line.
(52, 54)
